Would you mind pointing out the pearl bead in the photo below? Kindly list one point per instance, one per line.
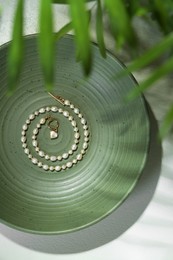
(80, 115)
(76, 129)
(83, 151)
(71, 106)
(28, 121)
(74, 123)
(34, 143)
(63, 166)
(41, 153)
(70, 118)
(45, 167)
(24, 145)
(77, 135)
(23, 132)
(66, 113)
(47, 157)
(31, 117)
(34, 160)
(69, 164)
(42, 110)
(74, 161)
(85, 145)
(79, 157)
(42, 121)
(74, 147)
(38, 125)
(76, 111)
(86, 139)
(86, 133)
(85, 127)
(36, 113)
(57, 168)
(60, 110)
(54, 109)
(35, 131)
(65, 155)
(70, 152)
(33, 137)
(51, 168)
(25, 127)
(66, 102)
(53, 158)
(76, 141)
(47, 109)
(59, 158)
(39, 164)
(26, 150)
(83, 121)
(23, 139)
(30, 156)
(37, 149)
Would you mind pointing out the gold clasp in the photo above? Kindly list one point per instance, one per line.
(58, 98)
(52, 123)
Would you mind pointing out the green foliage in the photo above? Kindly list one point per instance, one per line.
(15, 56)
(121, 14)
(99, 29)
(80, 21)
(152, 54)
(120, 21)
(162, 12)
(46, 43)
(155, 76)
(64, 30)
(65, 1)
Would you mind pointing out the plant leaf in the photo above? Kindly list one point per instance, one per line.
(79, 16)
(16, 51)
(99, 29)
(159, 10)
(120, 22)
(65, 1)
(152, 53)
(46, 41)
(166, 68)
(167, 123)
(65, 29)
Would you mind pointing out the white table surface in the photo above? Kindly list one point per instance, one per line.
(134, 234)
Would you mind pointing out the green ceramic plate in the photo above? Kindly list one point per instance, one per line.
(37, 201)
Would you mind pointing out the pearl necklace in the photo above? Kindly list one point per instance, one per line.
(53, 124)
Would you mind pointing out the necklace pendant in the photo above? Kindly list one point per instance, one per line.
(53, 134)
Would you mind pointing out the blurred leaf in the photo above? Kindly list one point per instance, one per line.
(65, 29)
(141, 12)
(100, 30)
(152, 53)
(79, 16)
(120, 22)
(161, 13)
(132, 6)
(46, 42)
(16, 51)
(162, 71)
(59, 1)
(65, 1)
(167, 123)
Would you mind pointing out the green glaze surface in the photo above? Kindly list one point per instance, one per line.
(34, 200)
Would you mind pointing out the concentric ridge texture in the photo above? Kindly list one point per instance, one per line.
(36, 201)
